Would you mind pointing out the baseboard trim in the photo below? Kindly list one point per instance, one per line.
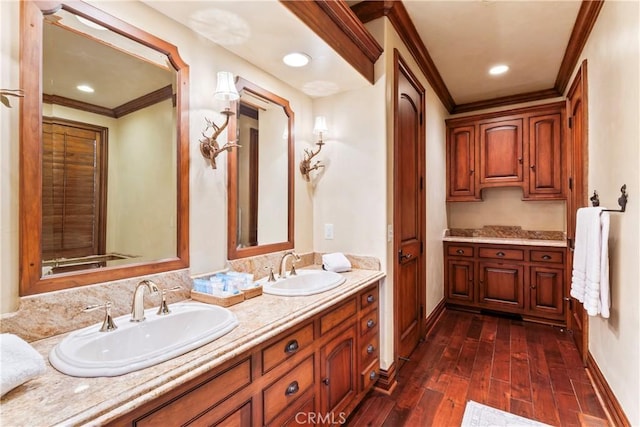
(387, 382)
(434, 316)
(611, 405)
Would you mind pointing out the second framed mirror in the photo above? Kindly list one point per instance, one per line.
(260, 174)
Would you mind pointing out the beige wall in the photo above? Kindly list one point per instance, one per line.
(613, 68)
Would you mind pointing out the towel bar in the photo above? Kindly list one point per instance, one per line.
(622, 200)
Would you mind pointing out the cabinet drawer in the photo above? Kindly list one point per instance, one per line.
(201, 398)
(370, 374)
(455, 250)
(369, 350)
(369, 298)
(547, 256)
(337, 316)
(502, 253)
(287, 389)
(300, 414)
(369, 322)
(273, 355)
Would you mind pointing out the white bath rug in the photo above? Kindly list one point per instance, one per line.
(479, 415)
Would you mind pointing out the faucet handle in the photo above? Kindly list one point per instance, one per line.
(164, 308)
(107, 324)
(271, 277)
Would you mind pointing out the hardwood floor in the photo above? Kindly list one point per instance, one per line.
(527, 369)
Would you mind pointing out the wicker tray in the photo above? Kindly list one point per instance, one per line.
(217, 300)
(252, 292)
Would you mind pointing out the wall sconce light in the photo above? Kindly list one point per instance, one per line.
(225, 91)
(305, 164)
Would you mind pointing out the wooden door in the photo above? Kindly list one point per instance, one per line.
(459, 284)
(461, 145)
(338, 372)
(577, 114)
(501, 152)
(546, 153)
(408, 210)
(501, 286)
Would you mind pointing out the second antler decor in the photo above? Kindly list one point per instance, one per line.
(305, 165)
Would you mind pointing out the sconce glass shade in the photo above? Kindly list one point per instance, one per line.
(320, 126)
(226, 87)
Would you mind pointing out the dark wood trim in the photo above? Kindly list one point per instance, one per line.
(387, 381)
(77, 105)
(607, 398)
(506, 100)
(233, 252)
(504, 114)
(401, 21)
(144, 101)
(254, 173)
(434, 316)
(586, 19)
(31, 280)
(337, 25)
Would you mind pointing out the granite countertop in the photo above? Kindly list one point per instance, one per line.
(58, 399)
(506, 235)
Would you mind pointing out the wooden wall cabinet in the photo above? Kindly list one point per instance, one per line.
(315, 373)
(524, 280)
(522, 148)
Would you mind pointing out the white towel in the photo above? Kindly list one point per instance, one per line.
(19, 362)
(336, 262)
(590, 275)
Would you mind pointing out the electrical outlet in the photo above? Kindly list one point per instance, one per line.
(389, 233)
(328, 231)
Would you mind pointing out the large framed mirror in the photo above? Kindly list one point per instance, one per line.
(260, 176)
(104, 158)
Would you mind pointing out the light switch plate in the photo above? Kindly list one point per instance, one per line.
(328, 231)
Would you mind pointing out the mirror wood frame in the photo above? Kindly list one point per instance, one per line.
(30, 234)
(233, 252)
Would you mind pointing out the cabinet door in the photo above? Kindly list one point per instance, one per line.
(501, 152)
(545, 293)
(461, 164)
(501, 286)
(338, 372)
(545, 157)
(459, 283)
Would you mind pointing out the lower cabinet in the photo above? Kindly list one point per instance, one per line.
(525, 280)
(315, 373)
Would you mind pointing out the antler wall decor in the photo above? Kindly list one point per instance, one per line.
(305, 164)
(209, 146)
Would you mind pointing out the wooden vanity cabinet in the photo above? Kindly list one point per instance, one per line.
(515, 148)
(524, 280)
(324, 365)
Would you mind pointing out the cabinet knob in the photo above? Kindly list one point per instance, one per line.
(291, 347)
(546, 257)
(371, 323)
(533, 167)
(372, 375)
(325, 381)
(533, 286)
(500, 254)
(370, 298)
(520, 160)
(292, 389)
(370, 348)
(460, 252)
(471, 171)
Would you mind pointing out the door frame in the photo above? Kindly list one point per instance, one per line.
(400, 66)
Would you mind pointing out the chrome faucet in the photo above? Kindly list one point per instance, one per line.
(283, 264)
(137, 308)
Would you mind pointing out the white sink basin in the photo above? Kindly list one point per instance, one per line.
(307, 282)
(88, 352)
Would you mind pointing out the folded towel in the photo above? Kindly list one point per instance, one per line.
(20, 362)
(336, 262)
(590, 275)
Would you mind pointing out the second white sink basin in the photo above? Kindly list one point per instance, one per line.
(88, 352)
(306, 282)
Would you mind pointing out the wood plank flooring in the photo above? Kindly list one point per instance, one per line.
(524, 368)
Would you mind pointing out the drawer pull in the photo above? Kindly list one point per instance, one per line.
(460, 252)
(292, 389)
(291, 347)
(546, 257)
(370, 298)
(325, 381)
(501, 254)
(370, 348)
(371, 323)
(372, 375)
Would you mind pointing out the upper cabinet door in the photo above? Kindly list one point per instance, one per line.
(501, 152)
(461, 164)
(545, 157)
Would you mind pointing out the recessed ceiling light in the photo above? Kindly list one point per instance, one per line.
(498, 69)
(296, 59)
(85, 88)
